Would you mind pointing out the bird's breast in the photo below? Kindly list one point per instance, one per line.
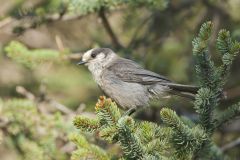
(96, 71)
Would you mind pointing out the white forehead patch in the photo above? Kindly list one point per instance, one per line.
(87, 55)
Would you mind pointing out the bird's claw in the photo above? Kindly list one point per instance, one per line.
(129, 112)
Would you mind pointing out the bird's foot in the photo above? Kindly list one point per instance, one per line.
(130, 112)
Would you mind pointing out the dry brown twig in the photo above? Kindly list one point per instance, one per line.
(74, 56)
(62, 48)
(23, 91)
(6, 21)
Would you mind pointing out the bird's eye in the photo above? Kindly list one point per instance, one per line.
(93, 55)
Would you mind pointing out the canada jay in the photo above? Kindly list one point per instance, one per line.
(127, 83)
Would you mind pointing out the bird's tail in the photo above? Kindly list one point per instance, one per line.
(187, 91)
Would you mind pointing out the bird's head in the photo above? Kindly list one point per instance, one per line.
(100, 56)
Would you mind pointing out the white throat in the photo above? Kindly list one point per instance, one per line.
(97, 67)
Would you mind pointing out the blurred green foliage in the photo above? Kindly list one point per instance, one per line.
(85, 7)
(21, 54)
(30, 132)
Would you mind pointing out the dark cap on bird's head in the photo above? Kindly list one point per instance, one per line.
(93, 54)
(106, 51)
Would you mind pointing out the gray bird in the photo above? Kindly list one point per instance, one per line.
(127, 83)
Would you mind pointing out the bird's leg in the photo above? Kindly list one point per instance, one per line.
(130, 111)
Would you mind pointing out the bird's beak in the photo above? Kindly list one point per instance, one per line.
(81, 62)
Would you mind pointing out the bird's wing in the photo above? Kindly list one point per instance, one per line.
(129, 71)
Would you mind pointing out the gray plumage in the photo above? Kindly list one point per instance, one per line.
(127, 83)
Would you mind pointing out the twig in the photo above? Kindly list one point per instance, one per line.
(55, 104)
(68, 148)
(74, 56)
(59, 17)
(61, 107)
(59, 43)
(108, 29)
(61, 48)
(13, 23)
(5, 21)
(231, 145)
(21, 90)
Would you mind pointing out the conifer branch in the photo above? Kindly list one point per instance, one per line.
(208, 96)
(109, 133)
(186, 140)
(107, 111)
(86, 150)
(204, 65)
(227, 115)
(228, 49)
(204, 103)
(86, 124)
(131, 146)
(137, 140)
